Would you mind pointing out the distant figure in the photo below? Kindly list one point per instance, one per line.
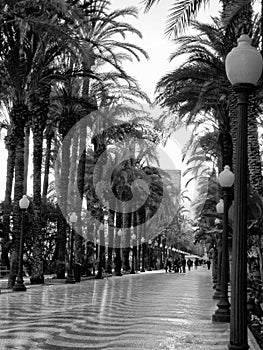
(196, 263)
(189, 264)
(168, 265)
(176, 267)
(183, 264)
(208, 263)
(169, 262)
(180, 265)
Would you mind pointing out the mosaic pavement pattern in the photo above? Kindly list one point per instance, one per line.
(154, 311)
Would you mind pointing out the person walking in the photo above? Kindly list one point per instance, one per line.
(196, 263)
(183, 264)
(208, 263)
(175, 267)
(189, 264)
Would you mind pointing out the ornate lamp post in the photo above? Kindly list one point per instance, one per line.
(222, 314)
(71, 278)
(118, 254)
(143, 253)
(217, 294)
(149, 255)
(100, 242)
(161, 255)
(19, 285)
(243, 69)
(133, 237)
(156, 254)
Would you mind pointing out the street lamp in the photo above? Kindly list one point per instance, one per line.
(133, 237)
(118, 254)
(101, 252)
(19, 285)
(220, 210)
(226, 180)
(149, 255)
(161, 255)
(143, 253)
(243, 69)
(71, 277)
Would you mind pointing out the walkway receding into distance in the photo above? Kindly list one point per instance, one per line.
(154, 311)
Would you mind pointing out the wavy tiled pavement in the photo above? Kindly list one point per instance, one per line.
(154, 311)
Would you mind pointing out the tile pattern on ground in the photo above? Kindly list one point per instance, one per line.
(155, 311)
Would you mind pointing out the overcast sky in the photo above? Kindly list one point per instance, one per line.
(159, 47)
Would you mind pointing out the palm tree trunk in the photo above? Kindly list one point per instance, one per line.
(62, 228)
(39, 112)
(7, 205)
(80, 178)
(254, 159)
(49, 136)
(26, 156)
(111, 238)
(18, 115)
(127, 238)
(37, 276)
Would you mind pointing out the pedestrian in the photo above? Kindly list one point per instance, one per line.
(175, 267)
(165, 265)
(183, 264)
(189, 264)
(196, 263)
(180, 265)
(169, 264)
(208, 263)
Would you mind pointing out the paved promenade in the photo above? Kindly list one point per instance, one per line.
(155, 311)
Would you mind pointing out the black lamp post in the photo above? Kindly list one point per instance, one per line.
(243, 69)
(71, 277)
(19, 285)
(101, 252)
(149, 255)
(118, 254)
(161, 255)
(217, 293)
(133, 246)
(143, 254)
(222, 314)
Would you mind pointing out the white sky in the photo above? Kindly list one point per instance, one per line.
(152, 26)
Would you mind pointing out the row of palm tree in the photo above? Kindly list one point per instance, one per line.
(198, 93)
(60, 60)
(64, 87)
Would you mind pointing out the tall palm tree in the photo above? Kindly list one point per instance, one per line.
(15, 69)
(196, 92)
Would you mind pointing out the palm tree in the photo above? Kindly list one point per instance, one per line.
(182, 13)
(20, 48)
(196, 92)
(7, 204)
(15, 68)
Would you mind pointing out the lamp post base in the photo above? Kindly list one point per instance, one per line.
(238, 347)
(19, 287)
(216, 295)
(221, 315)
